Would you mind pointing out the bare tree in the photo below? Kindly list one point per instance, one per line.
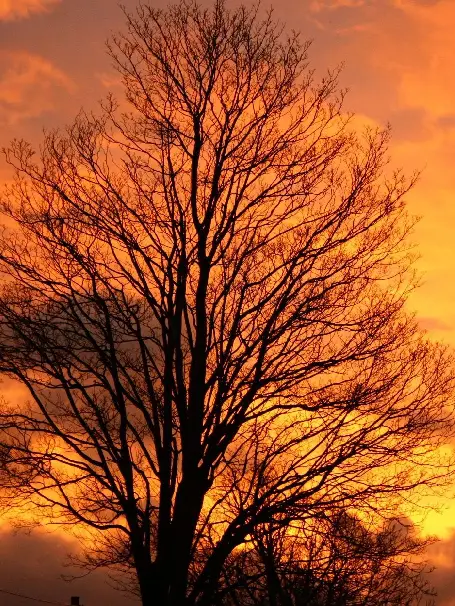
(204, 296)
(334, 560)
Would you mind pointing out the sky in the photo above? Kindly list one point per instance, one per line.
(399, 59)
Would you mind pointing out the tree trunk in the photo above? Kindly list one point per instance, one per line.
(151, 589)
(188, 505)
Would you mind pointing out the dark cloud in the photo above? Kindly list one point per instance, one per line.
(425, 2)
(33, 564)
(409, 124)
(442, 556)
(446, 121)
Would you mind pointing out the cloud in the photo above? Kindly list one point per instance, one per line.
(414, 3)
(29, 86)
(32, 565)
(446, 121)
(19, 9)
(433, 324)
(320, 5)
(410, 124)
(442, 556)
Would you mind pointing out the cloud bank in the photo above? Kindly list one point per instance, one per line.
(34, 564)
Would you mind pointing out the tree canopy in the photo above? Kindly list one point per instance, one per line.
(203, 291)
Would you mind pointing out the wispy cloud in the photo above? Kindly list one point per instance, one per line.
(29, 86)
(19, 9)
(320, 5)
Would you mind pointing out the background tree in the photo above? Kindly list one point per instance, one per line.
(204, 296)
(334, 560)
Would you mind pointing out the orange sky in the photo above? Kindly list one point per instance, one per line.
(399, 58)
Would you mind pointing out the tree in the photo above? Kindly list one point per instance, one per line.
(334, 560)
(204, 296)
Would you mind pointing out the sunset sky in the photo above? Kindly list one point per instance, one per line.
(399, 65)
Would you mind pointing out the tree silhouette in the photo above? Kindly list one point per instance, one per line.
(204, 296)
(334, 560)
